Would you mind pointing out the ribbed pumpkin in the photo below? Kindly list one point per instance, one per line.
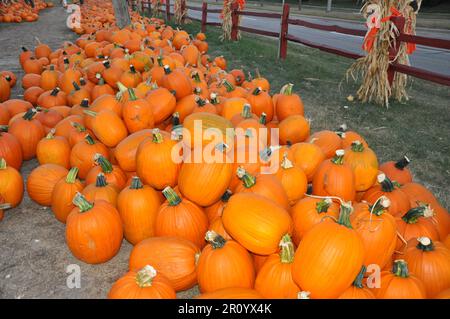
(137, 113)
(274, 279)
(125, 151)
(11, 184)
(358, 290)
(215, 210)
(261, 102)
(364, 164)
(63, 194)
(293, 129)
(82, 155)
(328, 141)
(308, 157)
(28, 132)
(181, 217)
(430, 262)
(174, 257)
(399, 201)
(42, 181)
(154, 163)
(147, 283)
(308, 212)
(162, 102)
(329, 257)
(335, 177)
(262, 184)
(205, 182)
(10, 148)
(108, 127)
(138, 205)
(101, 190)
(93, 230)
(224, 264)
(176, 81)
(53, 150)
(400, 284)
(378, 231)
(398, 171)
(257, 223)
(288, 103)
(293, 180)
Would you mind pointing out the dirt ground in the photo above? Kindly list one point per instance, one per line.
(33, 253)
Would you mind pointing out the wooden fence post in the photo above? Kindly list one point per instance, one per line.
(204, 16)
(282, 49)
(168, 10)
(183, 9)
(235, 21)
(121, 13)
(393, 50)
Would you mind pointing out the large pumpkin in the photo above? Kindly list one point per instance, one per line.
(329, 257)
(93, 230)
(125, 151)
(224, 264)
(257, 223)
(42, 181)
(28, 131)
(364, 164)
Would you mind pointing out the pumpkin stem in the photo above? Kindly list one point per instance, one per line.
(344, 215)
(257, 91)
(2, 163)
(4, 128)
(157, 136)
(380, 205)
(425, 244)
(82, 81)
(167, 69)
(89, 139)
(51, 134)
(323, 205)
(226, 196)
(214, 99)
(101, 180)
(106, 165)
(286, 163)
(84, 103)
(90, 113)
(338, 159)
(358, 280)
(386, 184)
(412, 216)
(24, 49)
(106, 64)
(228, 86)
(246, 111)
(81, 202)
(401, 164)
(196, 77)
(29, 114)
(287, 89)
(357, 146)
(200, 102)
(214, 239)
(400, 268)
(287, 250)
(175, 119)
(122, 88)
(160, 61)
(132, 94)
(76, 86)
(263, 118)
(132, 68)
(247, 179)
(72, 175)
(136, 183)
(5, 206)
(341, 130)
(171, 196)
(303, 295)
(144, 277)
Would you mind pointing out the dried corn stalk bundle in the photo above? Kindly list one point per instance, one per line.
(179, 11)
(227, 18)
(156, 8)
(381, 37)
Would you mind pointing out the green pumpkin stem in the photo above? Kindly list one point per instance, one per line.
(5, 206)
(122, 88)
(247, 179)
(344, 215)
(357, 146)
(175, 119)
(132, 94)
(214, 239)
(132, 68)
(287, 250)
(160, 61)
(386, 184)
(246, 111)
(136, 183)
(106, 165)
(89, 140)
(323, 205)
(196, 77)
(400, 268)
(214, 100)
(226, 196)
(228, 86)
(90, 113)
(401, 164)
(200, 102)
(51, 134)
(425, 244)
(171, 196)
(287, 89)
(167, 69)
(413, 215)
(81, 202)
(55, 91)
(4, 128)
(29, 114)
(101, 180)
(145, 276)
(2, 163)
(72, 175)
(257, 91)
(359, 279)
(263, 118)
(157, 136)
(338, 159)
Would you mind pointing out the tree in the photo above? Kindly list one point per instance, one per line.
(121, 12)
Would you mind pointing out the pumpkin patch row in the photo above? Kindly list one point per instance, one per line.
(103, 117)
(21, 11)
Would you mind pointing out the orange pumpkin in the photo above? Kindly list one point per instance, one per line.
(82, 155)
(28, 131)
(358, 290)
(11, 184)
(287, 103)
(53, 150)
(108, 127)
(293, 180)
(63, 193)
(101, 190)
(42, 181)
(10, 148)
(398, 171)
(113, 173)
(364, 164)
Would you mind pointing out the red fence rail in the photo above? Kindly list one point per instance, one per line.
(284, 37)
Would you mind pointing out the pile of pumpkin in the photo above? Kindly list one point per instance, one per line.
(19, 11)
(103, 116)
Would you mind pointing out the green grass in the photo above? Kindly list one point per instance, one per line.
(419, 128)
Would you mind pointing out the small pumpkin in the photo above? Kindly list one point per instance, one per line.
(398, 171)
(101, 190)
(293, 180)
(288, 103)
(358, 290)
(113, 173)
(93, 230)
(83, 152)
(63, 193)
(10, 149)
(53, 150)
(108, 127)
(137, 113)
(146, 283)
(11, 184)
(42, 181)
